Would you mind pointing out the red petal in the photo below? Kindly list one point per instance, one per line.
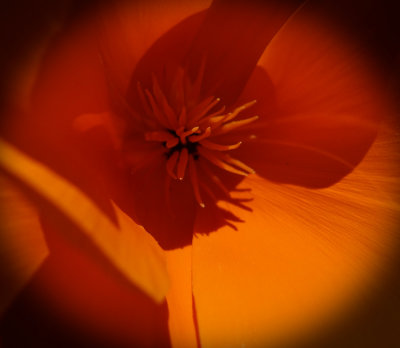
(169, 219)
(231, 39)
(134, 29)
(324, 111)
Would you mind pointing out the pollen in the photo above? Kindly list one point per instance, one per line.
(186, 125)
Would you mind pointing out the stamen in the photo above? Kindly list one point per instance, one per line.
(156, 111)
(195, 182)
(184, 124)
(239, 109)
(182, 135)
(196, 88)
(239, 164)
(143, 99)
(201, 109)
(214, 117)
(171, 116)
(213, 146)
(232, 115)
(171, 163)
(171, 143)
(197, 138)
(182, 163)
(219, 162)
(227, 127)
(178, 87)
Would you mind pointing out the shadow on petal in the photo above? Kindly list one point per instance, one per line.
(164, 207)
(73, 300)
(325, 108)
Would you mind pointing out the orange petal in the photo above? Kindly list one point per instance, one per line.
(128, 247)
(180, 299)
(301, 259)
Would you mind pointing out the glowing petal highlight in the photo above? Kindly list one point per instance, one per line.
(22, 244)
(179, 298)
(130, 249)
(302, 258)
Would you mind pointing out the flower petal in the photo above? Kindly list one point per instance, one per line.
(165, 207)
(323, 110)
(70, 81)
(301, 259)
(231, 40)
(86, 71)
(76, 301)
(182, 325)
(131, 29)
(130, 249)
(22, 244)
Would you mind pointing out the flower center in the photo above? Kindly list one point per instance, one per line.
(187, 127)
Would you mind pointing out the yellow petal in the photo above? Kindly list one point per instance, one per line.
(22, 244)
(129, 247)
(181, 323)
(301, 259)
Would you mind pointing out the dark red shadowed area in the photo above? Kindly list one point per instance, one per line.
(231, 40)
(171, 221)
(315, 150)
(70, 82)
(214, 216)
(77, 299)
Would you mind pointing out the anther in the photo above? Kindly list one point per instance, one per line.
(197, 138)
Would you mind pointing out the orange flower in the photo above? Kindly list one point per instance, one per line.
(240, 140)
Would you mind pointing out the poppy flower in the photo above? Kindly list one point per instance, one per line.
(243, 137)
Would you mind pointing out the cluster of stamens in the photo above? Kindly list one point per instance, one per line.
(184, 125)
